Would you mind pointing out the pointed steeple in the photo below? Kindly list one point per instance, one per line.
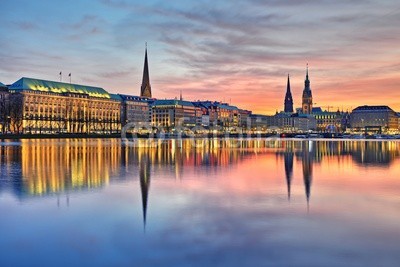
(288, 98)
(307, 100)
(145, 90)
(307, 82)
(180, 97)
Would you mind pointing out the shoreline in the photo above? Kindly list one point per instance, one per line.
(167, 137)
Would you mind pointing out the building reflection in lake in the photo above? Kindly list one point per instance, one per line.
(50, 167)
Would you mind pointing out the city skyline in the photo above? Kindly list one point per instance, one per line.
(246, 50)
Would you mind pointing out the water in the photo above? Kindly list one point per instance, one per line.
(220, 203)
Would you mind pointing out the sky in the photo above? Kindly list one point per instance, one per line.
(237, 51)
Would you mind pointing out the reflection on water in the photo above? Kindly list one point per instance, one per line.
(45, 167)
(217, 197)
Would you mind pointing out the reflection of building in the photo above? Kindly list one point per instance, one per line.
(307, 162)
(378, 118)
(288, 157)
(375, 153)
(56, 107)
(144, 173)
(48, 167)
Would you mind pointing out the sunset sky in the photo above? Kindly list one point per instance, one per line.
(238, 51)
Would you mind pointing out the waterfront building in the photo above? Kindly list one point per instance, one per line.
(135, 110)
(41, 106)
(304, 123)
(328, 121)
(145, 90)
(288, 103)
(307, 100)
(221, 114)
(260, 123)
(172, 113)
(374, 118)
(283, 121)
(244, 118)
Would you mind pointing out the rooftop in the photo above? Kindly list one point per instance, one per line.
(172, 102)
(373, 108)
(58, 87)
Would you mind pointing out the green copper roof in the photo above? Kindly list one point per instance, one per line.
(172, 102)
(58, 87)
(2, 84)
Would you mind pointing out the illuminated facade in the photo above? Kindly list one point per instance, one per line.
(135, 110)
(329, 121)
(55, 107)
(379, 118)
(222, 114)
(173, 113)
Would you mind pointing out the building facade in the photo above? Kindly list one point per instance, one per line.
(135, 111)
(55, 107)
(172, 113)
(374, 118)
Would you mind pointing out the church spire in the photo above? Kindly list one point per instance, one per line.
(307, 72)
(307, 101)
(145, 90)
(288, 98)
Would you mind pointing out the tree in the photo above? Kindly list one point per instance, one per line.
(16, 113)
(4, 111)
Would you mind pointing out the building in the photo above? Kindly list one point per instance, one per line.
(173, 113)
(307, 100)
(304, 123)
(135, 110)
(288, 103)
(244, 116)
(260, 123)
(374, 118)
(145, 90)
(40, 106)
(282, 121)
(221, 114)
(328, 121)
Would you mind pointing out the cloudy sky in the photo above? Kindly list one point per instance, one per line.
(238, 51)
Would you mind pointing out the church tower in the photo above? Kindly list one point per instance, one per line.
(145, 90)
(288, 98)
(307, 102)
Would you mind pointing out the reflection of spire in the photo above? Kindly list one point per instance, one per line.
(144, 173)
(288, 170)
(307, 171)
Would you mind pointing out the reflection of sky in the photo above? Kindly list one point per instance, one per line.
(236, 214)
(207, 48)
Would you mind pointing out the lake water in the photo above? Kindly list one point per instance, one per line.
(210, 203)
